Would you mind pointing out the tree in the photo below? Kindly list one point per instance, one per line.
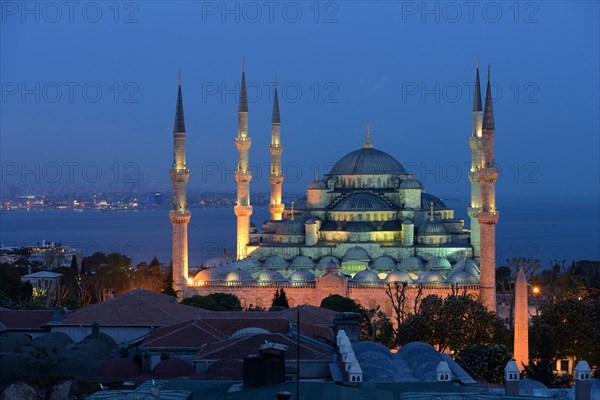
(338, 303)
(215, 302)
(485, 362)
(280, 300)
(168, 284)
(438, 322)
(396, 292)
(74, 264)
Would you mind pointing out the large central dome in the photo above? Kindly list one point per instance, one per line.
(367, 161)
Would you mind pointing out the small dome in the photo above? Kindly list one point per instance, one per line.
(331, 267)
(217, 261)
(411, 184)
(385, 263)
(411, 263)
(366, 275)
(293, 227)
(249, 331)
(270, 275)
(239, 275)
(427, 199)
(398, 275)
(432, 228)
(173, 368)
(302, 276)
(466, 264)
(302, 262)
(326, 259)
(363, 202)
(357, 226)
(464, 277)
(439, 263)
(275, 261)
(209, 275)
(317, 184)
(356, 253)
(430, 276)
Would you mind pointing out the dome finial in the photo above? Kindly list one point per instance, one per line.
(292, 210)
(368, 144)
(431, 211)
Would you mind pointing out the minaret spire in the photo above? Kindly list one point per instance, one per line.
(477, 93)
(243, 176)
(276, 206)
(488, 114)
(475, 143)
(179, 214)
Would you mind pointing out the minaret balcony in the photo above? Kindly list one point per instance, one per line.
(488, 217)
(276, 208)
(475, 143)
(276, 179)
(276, 149)
(242, 176)
(242, 211)
(473, 211)
(488, 174)
(180, 217)
(179, 175)
(473, 176)
(243, 142)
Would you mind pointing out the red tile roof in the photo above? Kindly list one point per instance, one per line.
(241, 347)
(139, 307)
(25, 319)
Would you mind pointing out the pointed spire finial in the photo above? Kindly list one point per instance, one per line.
(275, 118)
(316, 176)
(488, 113)
(179, 125)
(489, 71)
(243, 63)
(368, 144)
(477, 91)
(477, 61)
(243, 107)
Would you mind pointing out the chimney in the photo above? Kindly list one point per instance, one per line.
(347, 321)
(512, 378)
(443, 372)
(583, 373)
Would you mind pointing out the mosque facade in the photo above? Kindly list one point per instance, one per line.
(368, 226)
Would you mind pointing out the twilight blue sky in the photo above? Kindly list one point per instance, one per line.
(407, 68)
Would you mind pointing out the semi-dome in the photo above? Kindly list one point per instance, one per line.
(326, 259)
(275, 261)
(367, 161)
(356, 253)
(269, 275)
(411, 184)
(464, 277)
(366, 275)
(411, 263)
(239, 275)
(427, 199)
(302, 276)
(317, 184)
(439, 263)
(359, 226)
(209, 274)
(432, 228)
(430, 276)
(399, 275)
(363, 202)
(467, 264)
(293, 227)
(302, 262)
(384, 262)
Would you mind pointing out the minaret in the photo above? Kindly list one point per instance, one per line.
(179, 214)
(276, 176)
(243, 176)
(488, 216)
(476, 163)
(521, 340)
